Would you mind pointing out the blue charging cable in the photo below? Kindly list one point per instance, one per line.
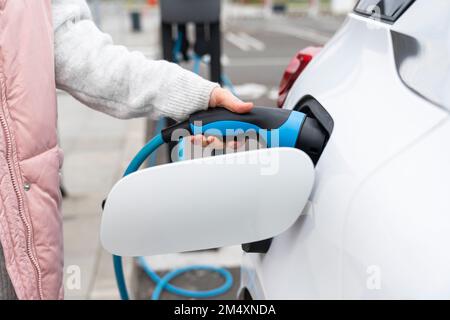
(197, 60)
(134, 165)
(163, 283)
(225, 80)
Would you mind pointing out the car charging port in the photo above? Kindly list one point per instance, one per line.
(313, 139)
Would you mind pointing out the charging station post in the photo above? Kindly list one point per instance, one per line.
(205, 14)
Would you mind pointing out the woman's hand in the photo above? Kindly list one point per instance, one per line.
(223, 98)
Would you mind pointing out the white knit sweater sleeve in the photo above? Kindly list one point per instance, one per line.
(113, 80)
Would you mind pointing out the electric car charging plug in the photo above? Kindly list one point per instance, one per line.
(278, 127)
(290, 128)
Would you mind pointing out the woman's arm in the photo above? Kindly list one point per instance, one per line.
(124, 84)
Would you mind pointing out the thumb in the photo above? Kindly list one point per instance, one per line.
(224, 98)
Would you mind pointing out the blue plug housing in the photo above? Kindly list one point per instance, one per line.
(293, 129)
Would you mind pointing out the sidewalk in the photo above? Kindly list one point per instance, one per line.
(97, 149)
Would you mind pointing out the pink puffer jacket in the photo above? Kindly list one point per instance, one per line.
(37, 50)
(30, 222)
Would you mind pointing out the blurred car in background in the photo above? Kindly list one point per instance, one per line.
(378, 222)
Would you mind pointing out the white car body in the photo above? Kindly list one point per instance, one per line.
(378, 222)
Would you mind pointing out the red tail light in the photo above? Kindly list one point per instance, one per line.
(293, 71)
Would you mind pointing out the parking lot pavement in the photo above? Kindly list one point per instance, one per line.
(97, 147)
(257, 51)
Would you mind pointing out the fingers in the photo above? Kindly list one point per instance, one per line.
(235, 104)
(234, 145)
(209, 141)
(199, 140)
(214, 142)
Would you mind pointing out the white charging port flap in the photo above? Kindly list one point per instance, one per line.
(207, 203)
